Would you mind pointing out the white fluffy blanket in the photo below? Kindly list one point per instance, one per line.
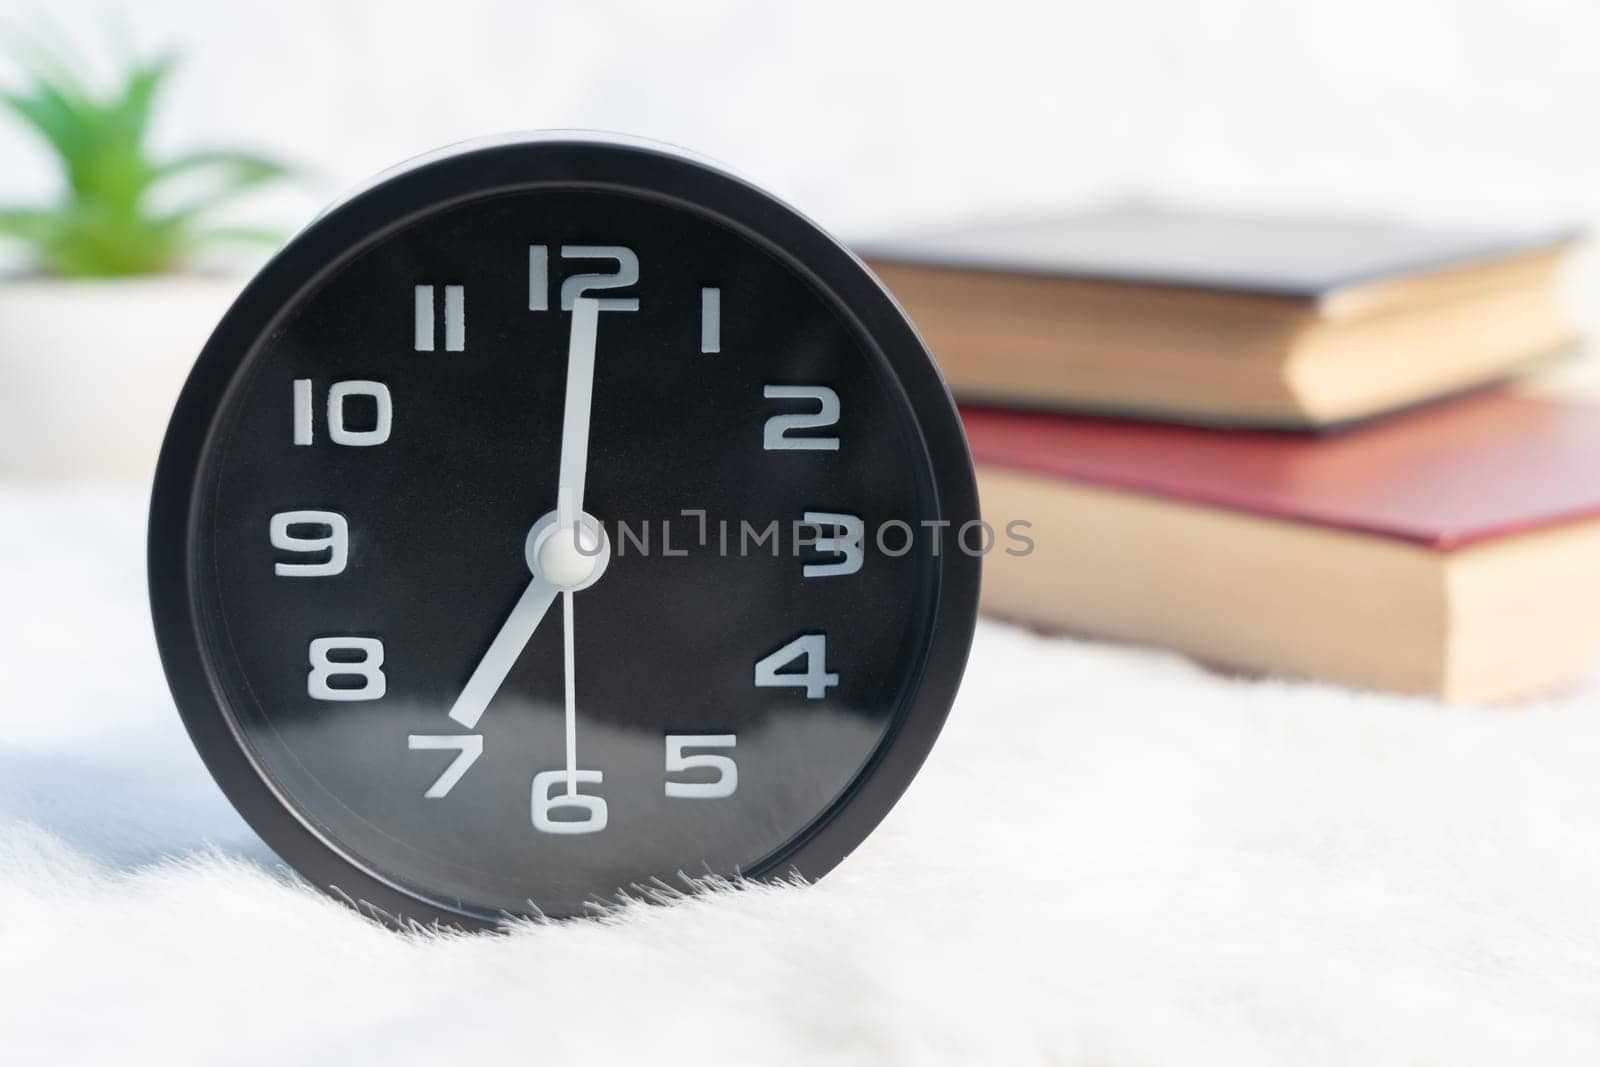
(1112, 857)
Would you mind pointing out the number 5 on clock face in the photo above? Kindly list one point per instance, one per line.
(680, 760)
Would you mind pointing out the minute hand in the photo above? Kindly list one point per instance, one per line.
(575, 420)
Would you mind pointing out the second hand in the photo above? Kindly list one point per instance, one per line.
(571, 686)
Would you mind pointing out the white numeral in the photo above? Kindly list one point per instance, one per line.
(468, 748)
(455, 318)
(538, 278)
(778, 426)
(815, 679)
(340, 392)
(678, 760)
(546, 800)
(338, 432)
(302, 411)
(710, 320)
(336, 542)
(626, 274)
(848, 545)
(367, 668)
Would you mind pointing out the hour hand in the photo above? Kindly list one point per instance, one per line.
(503, 651)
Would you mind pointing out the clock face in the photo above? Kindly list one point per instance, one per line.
(559, 518)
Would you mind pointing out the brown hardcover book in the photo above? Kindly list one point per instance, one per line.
(1453, 551)
(1274, 322)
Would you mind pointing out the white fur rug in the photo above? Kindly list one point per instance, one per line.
(1113, 857)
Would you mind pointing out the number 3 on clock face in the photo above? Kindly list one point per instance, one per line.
(425, 578)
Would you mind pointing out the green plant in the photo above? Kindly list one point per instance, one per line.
(122, 211)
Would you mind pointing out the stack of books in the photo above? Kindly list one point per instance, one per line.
(1277, 445)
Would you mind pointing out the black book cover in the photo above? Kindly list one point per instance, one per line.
(1303, 258)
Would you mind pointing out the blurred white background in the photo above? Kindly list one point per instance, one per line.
(877, 116)
(871, 117)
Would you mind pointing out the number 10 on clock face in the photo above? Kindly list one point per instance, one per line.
(495, 542)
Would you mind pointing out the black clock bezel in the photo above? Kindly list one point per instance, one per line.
(474, 170)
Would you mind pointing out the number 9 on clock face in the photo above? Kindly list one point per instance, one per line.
(555, 516)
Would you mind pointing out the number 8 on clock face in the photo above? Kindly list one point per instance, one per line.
(515, 541)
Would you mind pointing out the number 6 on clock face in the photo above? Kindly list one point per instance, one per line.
(555, 791)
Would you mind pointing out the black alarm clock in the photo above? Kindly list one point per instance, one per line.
(555, 516)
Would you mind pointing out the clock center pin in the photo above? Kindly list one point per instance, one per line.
(568, 557)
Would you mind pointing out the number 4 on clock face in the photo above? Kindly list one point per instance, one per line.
(815, 678)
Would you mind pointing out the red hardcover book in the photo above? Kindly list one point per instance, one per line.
(1454, 550)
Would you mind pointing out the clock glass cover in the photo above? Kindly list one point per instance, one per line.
(559, 516)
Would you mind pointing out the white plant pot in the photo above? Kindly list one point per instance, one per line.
(89, 371)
